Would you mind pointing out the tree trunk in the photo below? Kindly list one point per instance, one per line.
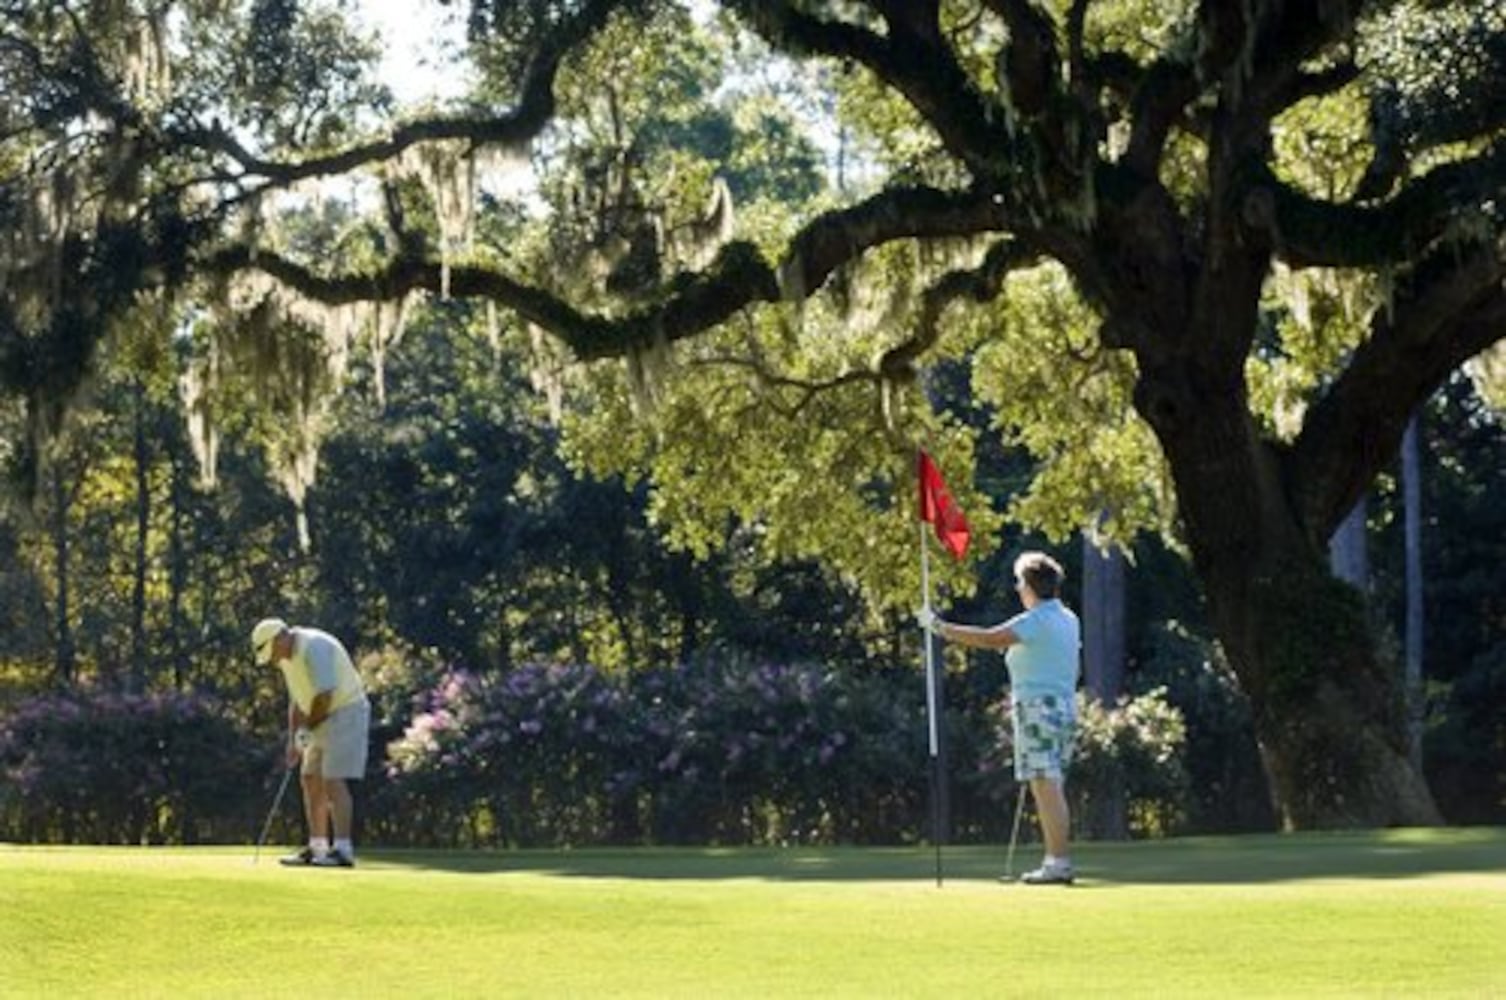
(1103, 668)
(1103, 622)
(137, 680)
(64, 663)
(1347, 555)
(1411, 480)
(1328, 711)
(178, 569)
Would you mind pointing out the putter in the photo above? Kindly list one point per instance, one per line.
(1019, 807)
(276, 802)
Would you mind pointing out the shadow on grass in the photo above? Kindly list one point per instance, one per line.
(1383, 854)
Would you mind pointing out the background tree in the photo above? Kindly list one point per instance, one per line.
(1135, 147)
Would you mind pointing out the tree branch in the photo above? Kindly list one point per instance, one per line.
(833, 239)
(1456, 310)
(739, 277)
(806, 390)
(1030, 66)
(981, 284)
(1164, 91)
(1301, 86)
(515, 128)
(1306, 231)
(917, 17)
(1077, 17)
(1260, 48)
(920, 68)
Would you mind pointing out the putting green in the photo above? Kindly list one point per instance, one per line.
(1390, 913)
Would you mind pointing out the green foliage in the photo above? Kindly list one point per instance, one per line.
(1465, 741)
(1436, 72)
(795, 476)
(296, 74)
(1313, 607)
(1225, 787)
(811, 465)
(1065, 399)
(506, 33)
(1464, 562)
(1143, 29)
(771, 156)
(633, 170)
(773, 453)
(1320, 144)
(1135, 748)
(1488, 371)
(888, 130)
(1313, 318)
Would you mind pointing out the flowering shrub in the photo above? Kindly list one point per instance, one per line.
(545, 753)
(723, 752)
(97, 766)
(1134, 746)
(704, 753)
(772, 753)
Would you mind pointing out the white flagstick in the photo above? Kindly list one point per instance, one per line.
(926, 638)
(925, 586)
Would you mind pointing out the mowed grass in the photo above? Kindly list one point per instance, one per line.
(1390, 913)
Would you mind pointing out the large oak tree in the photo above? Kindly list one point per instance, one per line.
(1133, 144)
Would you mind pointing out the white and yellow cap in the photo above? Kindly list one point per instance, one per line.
(262, 635)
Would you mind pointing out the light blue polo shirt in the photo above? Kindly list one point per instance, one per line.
(1047, 659)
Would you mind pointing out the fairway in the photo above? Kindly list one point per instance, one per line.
(1393, 913)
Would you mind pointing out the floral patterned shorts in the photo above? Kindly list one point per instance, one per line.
(1045, 731)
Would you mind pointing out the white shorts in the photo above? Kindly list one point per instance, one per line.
(340, 743)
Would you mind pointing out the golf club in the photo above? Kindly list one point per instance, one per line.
(276, 803)
(1014, 836)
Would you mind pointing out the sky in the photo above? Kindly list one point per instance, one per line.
(417, 35)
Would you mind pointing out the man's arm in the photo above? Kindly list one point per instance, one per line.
(324, 677)
(319, 710)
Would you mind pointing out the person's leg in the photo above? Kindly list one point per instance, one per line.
(1043, 748)
(315, 798)
(345, 758)
(341, 808)
(1056, 822)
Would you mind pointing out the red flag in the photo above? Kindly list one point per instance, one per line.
(938, 507)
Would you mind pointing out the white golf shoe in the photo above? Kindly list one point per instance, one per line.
(1057, 874)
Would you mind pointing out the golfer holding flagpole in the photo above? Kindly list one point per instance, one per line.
(328, 723)
(1043, 655)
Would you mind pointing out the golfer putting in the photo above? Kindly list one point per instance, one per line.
(1043, 645)
(328, 723)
